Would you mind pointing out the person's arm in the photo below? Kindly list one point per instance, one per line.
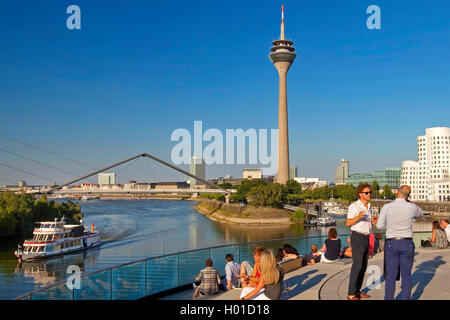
(199, 276)
(229, 285)
(324, 247)
(218, 278)
(419, 213)
(255, 291)
(353, 217)
(381, 223)
(433, 237)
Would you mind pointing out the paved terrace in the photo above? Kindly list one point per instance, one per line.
(430, 280)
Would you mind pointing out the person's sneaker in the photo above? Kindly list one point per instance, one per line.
(195, 286)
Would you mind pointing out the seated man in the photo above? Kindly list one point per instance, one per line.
(232, 273)
(210, 280)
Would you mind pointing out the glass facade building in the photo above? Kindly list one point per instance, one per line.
(388, 176)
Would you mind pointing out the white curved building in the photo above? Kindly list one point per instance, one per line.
(430, 174)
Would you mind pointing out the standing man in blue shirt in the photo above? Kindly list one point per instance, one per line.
(360, 220)
(397, 218)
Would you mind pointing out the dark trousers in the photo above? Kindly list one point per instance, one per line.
(399, 253)
(360, 256)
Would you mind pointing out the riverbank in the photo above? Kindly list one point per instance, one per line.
(243, 214)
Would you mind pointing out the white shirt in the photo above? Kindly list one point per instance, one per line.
(364, 225)
(447, 231)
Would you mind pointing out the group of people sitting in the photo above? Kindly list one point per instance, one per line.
(440, 238)
(261, 280)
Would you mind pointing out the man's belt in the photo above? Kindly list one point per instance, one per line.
(399, 238)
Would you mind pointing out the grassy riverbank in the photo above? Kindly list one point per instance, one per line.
(248, 215)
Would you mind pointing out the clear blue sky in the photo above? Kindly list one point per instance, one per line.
(137, 70)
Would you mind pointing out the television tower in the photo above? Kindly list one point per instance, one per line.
(282, 57)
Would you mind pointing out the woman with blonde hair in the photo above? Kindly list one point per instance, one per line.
(271, 281)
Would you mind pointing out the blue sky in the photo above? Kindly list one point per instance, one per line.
(137, 70)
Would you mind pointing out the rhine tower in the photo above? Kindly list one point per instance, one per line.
(282, 57)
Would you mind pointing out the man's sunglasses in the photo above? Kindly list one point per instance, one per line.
(367, 192)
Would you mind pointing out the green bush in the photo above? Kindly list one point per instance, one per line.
(213, 196)
(298, 216)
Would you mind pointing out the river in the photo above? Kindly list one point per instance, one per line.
(136, 229)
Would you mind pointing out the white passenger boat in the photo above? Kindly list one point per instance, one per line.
(57, 238)
(325, 221)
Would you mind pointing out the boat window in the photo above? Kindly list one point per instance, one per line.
(41, 249)
(52, 226)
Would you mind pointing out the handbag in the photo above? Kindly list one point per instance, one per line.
(425, 243)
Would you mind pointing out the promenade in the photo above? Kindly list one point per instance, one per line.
(430, 280)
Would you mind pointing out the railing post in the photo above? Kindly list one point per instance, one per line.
(178, 269)
(110, 284)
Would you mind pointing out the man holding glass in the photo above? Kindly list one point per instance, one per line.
(360, 219)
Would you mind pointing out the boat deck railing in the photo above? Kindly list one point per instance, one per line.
(150, 276)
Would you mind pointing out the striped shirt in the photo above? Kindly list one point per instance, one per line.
(210, 281)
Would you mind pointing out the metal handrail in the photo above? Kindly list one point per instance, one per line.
(177, 254)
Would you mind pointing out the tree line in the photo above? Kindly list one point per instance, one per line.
(20, 212)
(261, 193)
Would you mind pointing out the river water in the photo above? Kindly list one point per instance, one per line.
(136, 229)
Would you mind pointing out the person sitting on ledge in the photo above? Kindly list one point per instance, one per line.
(210, 280)
(347, 251)
(445, 226)
(331, 249)
(310, 258)
(232, 268)
(271, 281)
(250, 274)
(289, 252)
(280, 255)
(439, 237)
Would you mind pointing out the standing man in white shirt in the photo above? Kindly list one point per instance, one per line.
(397, 218)
(360, 219)
(444, 223)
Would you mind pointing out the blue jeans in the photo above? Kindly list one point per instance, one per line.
(399, 253)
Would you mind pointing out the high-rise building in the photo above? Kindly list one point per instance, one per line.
(293, 172)
(282, 57)
(107, 178)
(342, 173)
(197, 169)
(431, 172)
(22, 184)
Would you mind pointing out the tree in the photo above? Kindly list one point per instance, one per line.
(387, 193)
(293, 187)
(226, 185)
(267, 195)
(375, 187)
(244, 188)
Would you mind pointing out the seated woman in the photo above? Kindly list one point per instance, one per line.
(331, 248)
(289, 252)
(439, 237)
(271, 282)
(347, 251)
(250, 274)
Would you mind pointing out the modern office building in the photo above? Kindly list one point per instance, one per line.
(388, 176)
(342, 173)
(293, 172)
(282, 57)
(22, 184)
(106, 178)
(430, 174)
(197, 169)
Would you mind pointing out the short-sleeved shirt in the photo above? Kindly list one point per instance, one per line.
(364, 225)
(447, 231)
(333, 249)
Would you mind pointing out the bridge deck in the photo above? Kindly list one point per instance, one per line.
(430, 280)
